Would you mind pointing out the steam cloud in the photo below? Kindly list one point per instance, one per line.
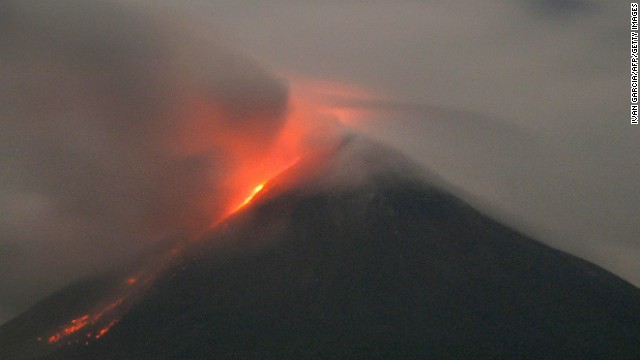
(118, 127)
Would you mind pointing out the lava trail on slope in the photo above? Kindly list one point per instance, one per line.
(358, 257)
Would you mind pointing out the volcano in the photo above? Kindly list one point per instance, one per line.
(357, 256)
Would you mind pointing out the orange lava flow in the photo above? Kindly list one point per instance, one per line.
(74, 325)
(257, 189)
(97, 318)
(86, 320)
(254, 192)
(105, 329)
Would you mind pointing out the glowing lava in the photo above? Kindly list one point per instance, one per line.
(254, 162)
(105, 329)
(257, 189)
(87, 321)
(254, 192)
(74, 325)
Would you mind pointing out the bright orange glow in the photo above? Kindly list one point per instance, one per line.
(252, 164)
(258, 188)
(257, 151)
(72, 327)
(105, 329)
(84, 321)
(254, 192)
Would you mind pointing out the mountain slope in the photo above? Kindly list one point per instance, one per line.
(388, 267)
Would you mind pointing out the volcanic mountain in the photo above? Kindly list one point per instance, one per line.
(353, 256)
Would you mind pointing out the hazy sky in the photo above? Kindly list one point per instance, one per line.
(521, 105)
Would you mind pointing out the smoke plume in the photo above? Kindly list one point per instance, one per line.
(120, 126)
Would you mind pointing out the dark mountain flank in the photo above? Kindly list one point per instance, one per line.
(358, 261)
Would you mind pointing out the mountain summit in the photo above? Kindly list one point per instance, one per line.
(358, 259)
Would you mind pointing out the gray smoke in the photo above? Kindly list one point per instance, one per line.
(113, 120)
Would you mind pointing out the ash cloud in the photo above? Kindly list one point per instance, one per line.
(113, 125)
